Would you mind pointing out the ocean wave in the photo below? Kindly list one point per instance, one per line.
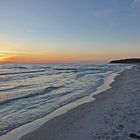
(79, 75)
(21, 67)
(23, 72)
(16, 87)
(65, 68)
(37, 93)
(32, 91)
(6, 129)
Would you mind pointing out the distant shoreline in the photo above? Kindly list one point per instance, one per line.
(127, 61)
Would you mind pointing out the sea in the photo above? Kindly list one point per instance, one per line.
(31, 91)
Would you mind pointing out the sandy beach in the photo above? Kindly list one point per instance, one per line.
(113, 116)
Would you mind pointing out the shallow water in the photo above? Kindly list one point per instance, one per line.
(31, 91)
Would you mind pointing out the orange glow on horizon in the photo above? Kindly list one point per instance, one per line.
(54, 57)
(49, 52)
(59, 56)
(3, 58)
(48, 58)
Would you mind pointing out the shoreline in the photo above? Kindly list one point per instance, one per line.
(110, 116)
(17, 133)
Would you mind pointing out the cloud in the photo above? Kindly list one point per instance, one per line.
(136, 5)
(136, 1)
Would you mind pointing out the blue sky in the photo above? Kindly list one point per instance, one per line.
(70, 25)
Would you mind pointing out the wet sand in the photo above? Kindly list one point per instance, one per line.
(113, 116)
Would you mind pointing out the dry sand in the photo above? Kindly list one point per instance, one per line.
(115, 115)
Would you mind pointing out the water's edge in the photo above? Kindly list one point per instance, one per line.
(17, 133)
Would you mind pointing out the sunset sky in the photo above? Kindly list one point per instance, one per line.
(69, 30)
